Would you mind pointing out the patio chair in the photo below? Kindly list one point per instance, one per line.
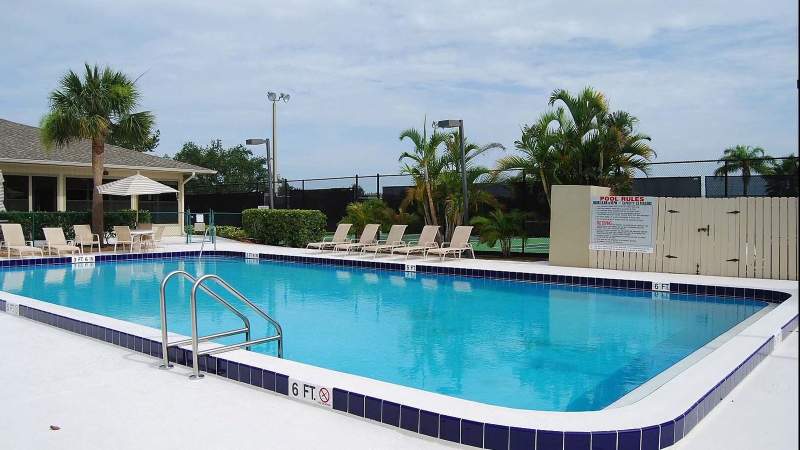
(124, 237)
(458, 244)
(155, 239)
(84, 237)
(14, 240)
(426, 241)
(392, 241)
(198, 228)
(339, 237)
(144, 226)
(367, 238)
(58, 243)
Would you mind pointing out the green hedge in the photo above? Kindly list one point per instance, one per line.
(290, 227)
(231, 232)
(65, 220)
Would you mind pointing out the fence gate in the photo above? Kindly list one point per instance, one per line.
(744, 237)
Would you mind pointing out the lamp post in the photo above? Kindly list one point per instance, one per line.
(259, 141)
(460, 125)
(275, 98)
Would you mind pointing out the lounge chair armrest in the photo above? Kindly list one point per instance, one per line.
(399, 243)
(382, 241)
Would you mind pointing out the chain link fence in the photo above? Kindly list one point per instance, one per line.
(518, 190)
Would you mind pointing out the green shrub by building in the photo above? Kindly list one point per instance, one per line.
(66, 219)
(289, 227)
(231, 232)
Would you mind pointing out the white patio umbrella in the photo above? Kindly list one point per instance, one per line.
(134, 185)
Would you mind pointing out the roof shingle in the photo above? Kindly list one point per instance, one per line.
(21, 143)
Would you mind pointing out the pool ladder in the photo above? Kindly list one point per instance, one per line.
(196, 339)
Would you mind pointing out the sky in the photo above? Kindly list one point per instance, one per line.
(700, 75)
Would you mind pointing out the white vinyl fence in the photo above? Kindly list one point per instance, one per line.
(754, 237)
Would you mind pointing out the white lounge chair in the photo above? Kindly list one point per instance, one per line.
(339, 237)
(426, 241)
(392, 241)
(84, 237)
(124, 238)
(154, 240)
(58, 243)
(14, 240)
(367, 238)
(458, 244)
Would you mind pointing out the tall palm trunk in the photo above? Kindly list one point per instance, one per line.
(431, 206)
(98, 150)
(544, 186)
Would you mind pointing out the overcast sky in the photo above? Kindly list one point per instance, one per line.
(700, 75)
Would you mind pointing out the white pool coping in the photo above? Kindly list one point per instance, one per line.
(664, 404)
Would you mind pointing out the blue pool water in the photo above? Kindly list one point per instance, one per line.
(521, 345)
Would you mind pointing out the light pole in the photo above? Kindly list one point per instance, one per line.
(259, 141)
(275, 98)
(460, 125)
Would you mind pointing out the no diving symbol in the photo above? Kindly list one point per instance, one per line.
(324, 395)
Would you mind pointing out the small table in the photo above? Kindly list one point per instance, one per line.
(142, 234)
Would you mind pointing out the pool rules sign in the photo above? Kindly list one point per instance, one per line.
(622, 223)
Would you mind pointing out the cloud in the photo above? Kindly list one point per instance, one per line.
(700, 75)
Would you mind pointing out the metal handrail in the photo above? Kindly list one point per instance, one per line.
(165, 345)
(196, 339)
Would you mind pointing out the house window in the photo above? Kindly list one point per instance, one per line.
(16, 192)
(44, 193)
(79, 196)
(163, 207)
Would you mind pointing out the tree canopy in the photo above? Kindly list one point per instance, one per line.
(237, 168)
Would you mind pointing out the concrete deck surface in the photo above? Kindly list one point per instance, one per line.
(103, 396)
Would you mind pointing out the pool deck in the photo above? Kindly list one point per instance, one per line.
(53, 377)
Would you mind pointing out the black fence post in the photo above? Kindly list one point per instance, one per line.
(726, 178)
(303, 194)
(378, 184)
(355, 190)
(285, 194)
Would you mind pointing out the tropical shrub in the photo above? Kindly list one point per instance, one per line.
(500, 226)
(231, 232)
(289, 227)
(373, 210)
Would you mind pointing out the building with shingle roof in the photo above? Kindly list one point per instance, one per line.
(60, 179)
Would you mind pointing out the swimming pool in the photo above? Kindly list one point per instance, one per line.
(522, 345)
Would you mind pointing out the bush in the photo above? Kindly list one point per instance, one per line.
(231, 232)
(290, 227)
(66, 219)
(375, 210)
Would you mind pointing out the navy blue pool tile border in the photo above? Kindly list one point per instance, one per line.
(421, 267)
(787, 328)
(431, 423)
(568, 280)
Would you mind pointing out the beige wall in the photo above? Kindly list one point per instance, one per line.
(569, 224)
(62, 172)
(752, 237)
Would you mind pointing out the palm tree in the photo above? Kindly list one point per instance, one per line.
(782, 177)
(623, 151)
(96, 107)
(499, 226)
(426, 164)
(538, 147)
(745, 159)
